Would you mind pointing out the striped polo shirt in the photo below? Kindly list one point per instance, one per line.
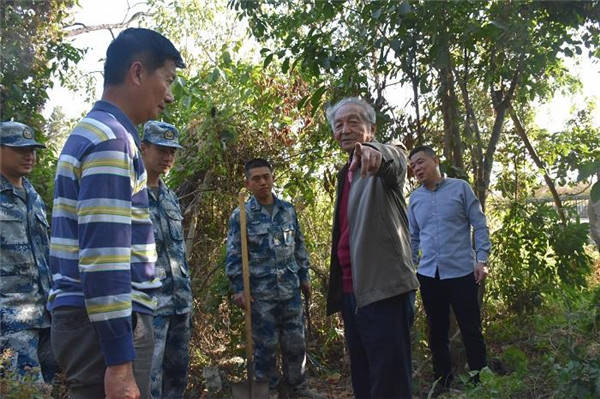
(102, 249)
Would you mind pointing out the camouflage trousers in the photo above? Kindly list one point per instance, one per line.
(31, 353)
(171, 356)
(273, 323)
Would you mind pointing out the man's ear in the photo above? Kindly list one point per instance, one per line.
(246, 183)
(373, 128)
(135, 72)
(143, 147)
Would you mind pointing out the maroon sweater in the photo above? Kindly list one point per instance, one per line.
(343, 247)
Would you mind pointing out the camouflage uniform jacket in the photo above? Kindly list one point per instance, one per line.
(175, 296)
(24, 275)
(278, 258)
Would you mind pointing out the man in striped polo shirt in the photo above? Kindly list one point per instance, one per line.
(102, 248)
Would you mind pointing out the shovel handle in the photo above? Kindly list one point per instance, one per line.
(307, 314)
(246, 278)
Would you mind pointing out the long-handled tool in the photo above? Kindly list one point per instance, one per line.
(248, 389)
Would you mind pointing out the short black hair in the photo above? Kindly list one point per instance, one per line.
(138, 44)
(422, 148)
(256, 163)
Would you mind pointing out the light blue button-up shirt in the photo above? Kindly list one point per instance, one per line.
(440, 223)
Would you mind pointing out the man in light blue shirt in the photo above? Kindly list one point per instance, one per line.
(441, 213)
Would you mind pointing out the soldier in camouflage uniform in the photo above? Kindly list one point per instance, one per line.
(24, 275)
(278, 271)
(172, 321)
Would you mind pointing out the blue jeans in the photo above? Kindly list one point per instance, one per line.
(378, 339)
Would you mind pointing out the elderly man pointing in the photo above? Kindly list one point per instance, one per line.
(372, 281)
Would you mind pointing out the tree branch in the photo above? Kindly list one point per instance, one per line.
(92, 28)
(539, 163)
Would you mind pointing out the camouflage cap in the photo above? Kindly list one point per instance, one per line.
(161, 133)
(16, 134)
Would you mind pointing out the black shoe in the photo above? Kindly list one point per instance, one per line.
(474, 379)
(441, 385)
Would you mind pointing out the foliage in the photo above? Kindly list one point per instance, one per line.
(229, 110)
(493, 386)
(244, 113)
(518, 178)
(580, 377)
(447, 57)
(515, 359)
(550, 354)
(32, 53)
(13, 386)
(576, 150)
(530, 261)
(463, 66)
(577, 369)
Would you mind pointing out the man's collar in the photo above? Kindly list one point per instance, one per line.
(256, 206)
(438, 184)
(105, 106)
(161, 187)
(6, 185)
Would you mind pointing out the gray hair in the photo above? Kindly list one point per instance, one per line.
(368, 113)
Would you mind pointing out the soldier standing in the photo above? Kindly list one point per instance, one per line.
(172, 327)
(24, 276)
(278, 271)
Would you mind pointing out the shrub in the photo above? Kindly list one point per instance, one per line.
(535, 255)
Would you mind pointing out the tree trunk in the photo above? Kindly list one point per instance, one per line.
(472, 132)
(452, 142)
(415, 87)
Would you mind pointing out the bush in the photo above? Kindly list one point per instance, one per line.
(515, 360)
(535, 255)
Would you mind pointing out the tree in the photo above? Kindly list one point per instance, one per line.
(32, 53)
(470, 60)
(229, 109)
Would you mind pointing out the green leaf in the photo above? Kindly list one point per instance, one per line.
(268, 60)
(226, 58)
(405, 8)
(568, 52)
(588, 169)
(302, 102)
(315, 99)
(214, 76)
(328, 11)
(376, 13)
(286, 65)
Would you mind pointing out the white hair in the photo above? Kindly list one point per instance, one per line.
(368, 113)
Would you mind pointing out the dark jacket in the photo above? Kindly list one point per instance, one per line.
(380, 250)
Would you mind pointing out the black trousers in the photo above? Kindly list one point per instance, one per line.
(378, 339)
(460, 293)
